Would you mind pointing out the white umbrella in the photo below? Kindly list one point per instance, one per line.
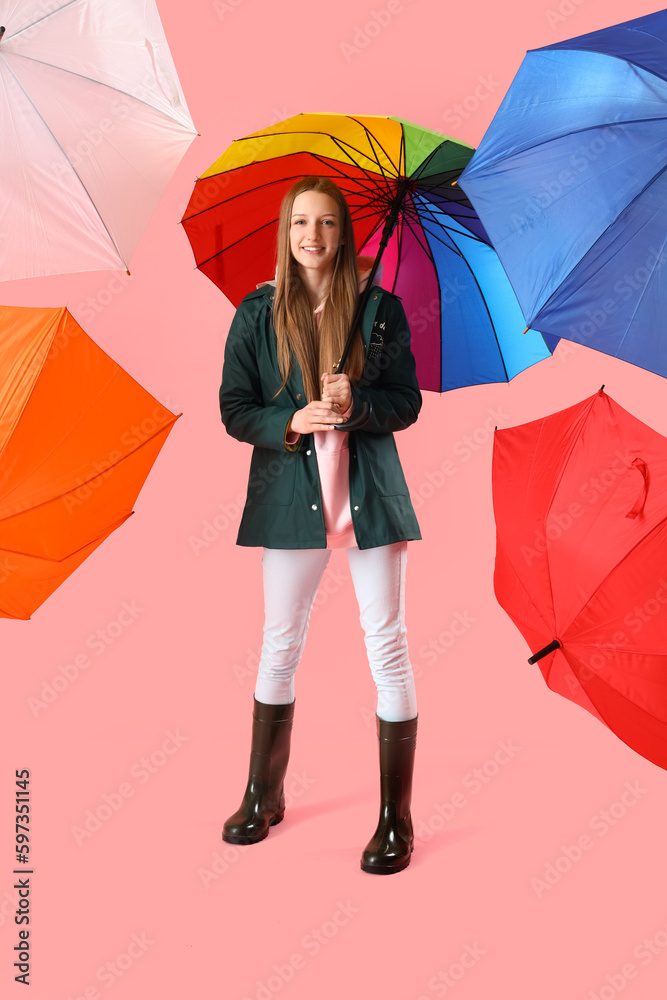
(93, 123)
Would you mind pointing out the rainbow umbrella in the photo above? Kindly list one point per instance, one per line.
(467, 327)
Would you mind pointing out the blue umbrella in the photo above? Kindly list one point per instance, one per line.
(570, 184)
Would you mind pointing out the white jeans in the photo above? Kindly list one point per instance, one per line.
(291, 579)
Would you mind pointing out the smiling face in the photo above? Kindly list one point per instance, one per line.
(315, 231)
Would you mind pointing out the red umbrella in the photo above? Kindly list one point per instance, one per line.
(580, 500)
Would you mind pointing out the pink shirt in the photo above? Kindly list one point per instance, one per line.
(333, 460)
(333, 463)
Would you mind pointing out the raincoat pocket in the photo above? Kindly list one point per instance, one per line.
(271, 479)
(385, 465)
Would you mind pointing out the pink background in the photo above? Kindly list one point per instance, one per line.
(295, 916)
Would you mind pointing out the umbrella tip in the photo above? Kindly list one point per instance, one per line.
(2, 30)
(601, 388)
(527, 329)
(453, 184)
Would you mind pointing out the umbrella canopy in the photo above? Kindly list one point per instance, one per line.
(570, 183)
(78, 436)
(93, 124)
(465, 319)
(580, 500)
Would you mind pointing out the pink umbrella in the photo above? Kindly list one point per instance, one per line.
(93, 123)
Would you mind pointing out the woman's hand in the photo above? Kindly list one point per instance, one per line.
(336, 389)
(320, 415)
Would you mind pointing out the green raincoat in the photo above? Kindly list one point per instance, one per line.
(283, 508)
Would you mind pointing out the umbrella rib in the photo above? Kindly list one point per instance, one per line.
(564, 465)
(236, 242)
(418, 174)
(342, 145)
(593, 245)
(243, 194)
(644, 711)
(483, 298)
(49, 13)
(372, 179)
(488, 312)
(425, 246)
(642, 294)
(119, 461)
(602, 582)
(97, 212)
(99, 83)
(399, 248)
(442, 226)
(566, 135)
(529, 598)
(378, 224)
(259, 229)
(336, 172)
(97, 538)
(383, 197)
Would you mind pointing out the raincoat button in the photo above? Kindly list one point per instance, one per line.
(309, 452)
(314, 507)
(298, 395)
(356, 508)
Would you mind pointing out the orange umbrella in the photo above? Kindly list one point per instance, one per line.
(78, 437)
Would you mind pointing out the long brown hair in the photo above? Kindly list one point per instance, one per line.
(315, 351)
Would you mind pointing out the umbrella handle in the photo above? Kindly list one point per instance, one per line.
(544, 651)
(640, 465)
(359, 417)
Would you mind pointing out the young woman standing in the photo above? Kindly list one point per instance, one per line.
(314, 486)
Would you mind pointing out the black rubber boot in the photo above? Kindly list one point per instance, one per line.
(390, 848)
(264, 800)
